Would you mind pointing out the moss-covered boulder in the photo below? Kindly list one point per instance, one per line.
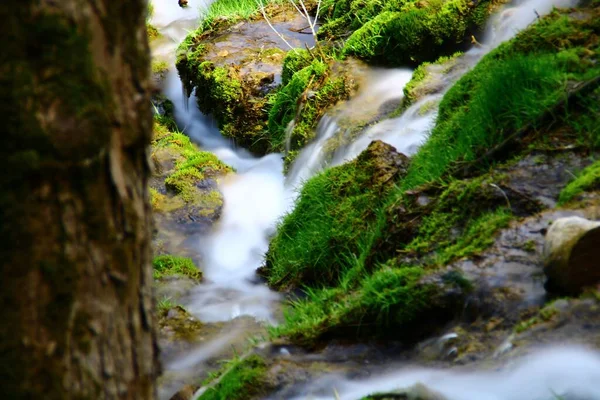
(183, 190)
(404, 32)
(312, 90)
(235, 64)
(255, 86)
(176, 323)
(333, 209)
(429, 78)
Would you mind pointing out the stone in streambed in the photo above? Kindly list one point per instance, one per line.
(187, 392)
(571, 255)
(415, 392)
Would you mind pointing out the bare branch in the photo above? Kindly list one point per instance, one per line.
(262, 10)
(312, 25)
(318, 11)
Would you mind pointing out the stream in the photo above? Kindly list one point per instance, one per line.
(258, 194)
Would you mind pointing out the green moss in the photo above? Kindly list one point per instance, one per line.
(478, 235)
(191, 167)
(164, 305)
(183, 182)
(462, 221)
(176, 322)
(224, 87)
(315, 89)
(152, 32)
(293, 62)
(240, 379)
(189, 172)
(414, 33)
(168, 265)
(588, 180)
(546, 314)
(160, 130)
(159, 67)
(284, 103)
(389, 299)
(156, 198)
(416, 87)
(335, 208)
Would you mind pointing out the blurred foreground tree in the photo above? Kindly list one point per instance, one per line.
(75, 275)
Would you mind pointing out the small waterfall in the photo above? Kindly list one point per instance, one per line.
(384, 86)
(408, 131)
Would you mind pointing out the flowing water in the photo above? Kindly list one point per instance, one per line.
(410, 129)
(259, 194)
(570, 373)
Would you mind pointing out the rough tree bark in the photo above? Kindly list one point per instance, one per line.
(75, 275)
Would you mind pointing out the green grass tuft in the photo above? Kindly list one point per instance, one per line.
(588, 180)
(335, 209)
(240, 378)
(164, 305)
(390, 297)
(167, 265)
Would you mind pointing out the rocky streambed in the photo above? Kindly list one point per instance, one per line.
(433, 291)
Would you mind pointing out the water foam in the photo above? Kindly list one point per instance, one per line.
(569, 373)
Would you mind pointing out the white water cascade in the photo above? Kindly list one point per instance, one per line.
(258, 194)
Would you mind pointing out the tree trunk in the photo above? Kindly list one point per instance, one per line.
(75, 275)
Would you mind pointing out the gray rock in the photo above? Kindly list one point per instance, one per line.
(572, 255)
(415, 392)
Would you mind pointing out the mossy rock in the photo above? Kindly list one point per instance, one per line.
(427, 79)
(175, 323)
(333, 207)
(240, 379)
(296, 108)
(235, 68)
(168, 265)
(183, 188)
(255, 86)
(405, 32)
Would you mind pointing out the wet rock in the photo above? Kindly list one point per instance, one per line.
(183, 3)
(174, 287)
(541, 176)
(187, 392)
(177, 323)
(571, 252)
(161, 105)
(386, 164)
(237, 65)
(416, 392)
(570, 320)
